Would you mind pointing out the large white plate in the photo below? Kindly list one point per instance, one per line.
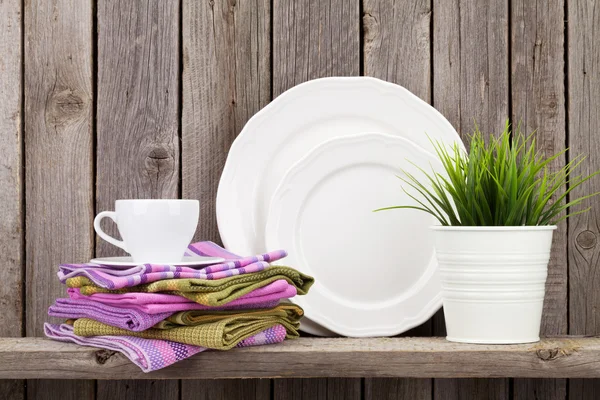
(297, 121)
(375, 273)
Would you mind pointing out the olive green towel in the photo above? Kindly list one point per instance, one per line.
(208, 292)
(290, 313)
(222, 334)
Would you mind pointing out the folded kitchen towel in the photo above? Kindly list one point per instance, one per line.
(110, 277)
(291, 313)
(150, 354)
(223, 334)
(211, 249)
(153, 303)
(125, 318)
(208, 292)
(106, 277)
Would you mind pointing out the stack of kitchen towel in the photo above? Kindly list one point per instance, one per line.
(159, 314)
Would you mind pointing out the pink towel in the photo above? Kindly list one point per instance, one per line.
(154, 303)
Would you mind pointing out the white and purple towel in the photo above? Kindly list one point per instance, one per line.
(116, 278)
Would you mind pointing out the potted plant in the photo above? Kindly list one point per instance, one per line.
(497, 207)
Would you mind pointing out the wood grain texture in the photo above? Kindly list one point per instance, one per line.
(226, 80)
(137, 125)
(470, 63)
(300, 389)
(467, 389)
(397, 43)
(446, 61)
(538, 104)
(584, 389)
(227, 389)
(317, 389)
(583, 103)
(471, 83)
(526, 389)
(11, 195)
(60, 389)
(566, 357)
(446, 81)
(138, 389)
(11, 182)
(396, 48)
(58, 145)
(314, 39)
(392, 389)
(137, 112)
(59, 160)
(12, 389)
(583, 120)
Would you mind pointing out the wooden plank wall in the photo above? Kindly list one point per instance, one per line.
(583, 103)
(226, 79)
(471, 57)
(138, 84)
(59, 159)
(11, 181)
(102, 100)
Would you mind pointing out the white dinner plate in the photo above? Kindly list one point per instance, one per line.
(297, 121)
(187, 261)
(375, 273)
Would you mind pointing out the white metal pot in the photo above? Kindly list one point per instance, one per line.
(493, 281)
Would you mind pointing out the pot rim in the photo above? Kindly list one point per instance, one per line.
(534, 228)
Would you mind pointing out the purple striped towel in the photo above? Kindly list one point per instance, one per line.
(153, 303)
(110, 277)
(126, 318)
(149, 354)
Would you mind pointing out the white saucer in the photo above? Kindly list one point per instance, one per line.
(186, 261)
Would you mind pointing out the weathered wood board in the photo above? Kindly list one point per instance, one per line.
(11, 182)
(416, 357)
(59, 160)
(583, 103)
(137, 124)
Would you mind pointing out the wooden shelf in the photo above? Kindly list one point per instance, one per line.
(565, 357)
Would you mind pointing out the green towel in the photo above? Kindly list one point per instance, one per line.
(222, 334)
(208, 292)
(290, 313)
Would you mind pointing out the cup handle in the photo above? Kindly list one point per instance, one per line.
(112, 215)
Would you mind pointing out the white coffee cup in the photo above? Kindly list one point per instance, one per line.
(156, 231)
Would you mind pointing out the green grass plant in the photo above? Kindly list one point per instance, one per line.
(504, 181)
